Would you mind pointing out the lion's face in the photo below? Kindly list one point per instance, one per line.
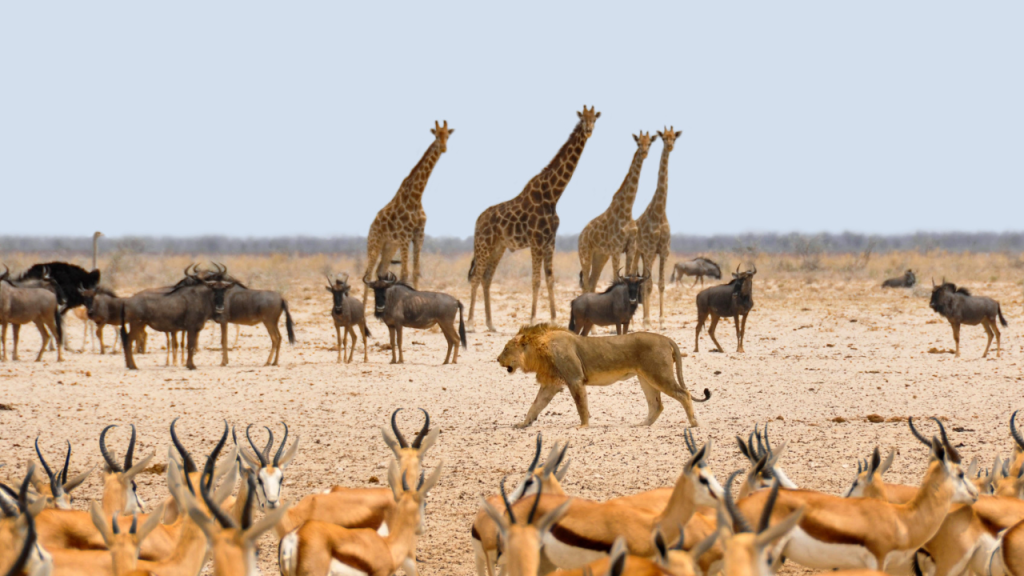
(511, 358)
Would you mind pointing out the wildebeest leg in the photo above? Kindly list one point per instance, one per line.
(711, 331)
(743, 331)
(394, 347)
(999, 337)
(544, 396)
(549, 275)
(585, 328)
(44, 335)
(129, 353)
(366, 356)
(452, 336)
(192, 339)
(238, 330)
(654, 405)
(224, 343)
(3, 341)
(618, 329)
(341, 342)
(275, 342)
(15, 332)
(401, 357)
(697, 277)
(343, 338)
(956, 338)
(702, 315)
(171, 341)
(355, 340)
(99, 336)
(988, 332)
(739, 333)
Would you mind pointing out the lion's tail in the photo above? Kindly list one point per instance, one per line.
(677, 358)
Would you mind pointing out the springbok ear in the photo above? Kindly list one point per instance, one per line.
(139, 467)
(552, 517)
(779, 530)
(266, 523)
(431, 480)
(77, 480)
(659, 545)
(151, 523)
(394, 480)
(428, 441)
(96, 514)
(972, 468)
(391, 442)
(884, 467)
(290, 454)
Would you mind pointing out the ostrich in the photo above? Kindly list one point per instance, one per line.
(81, 313)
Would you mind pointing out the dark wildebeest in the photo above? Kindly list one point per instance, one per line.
(183, 309)
(103, 307)
(734, 300)
(959, 307)
(906, 281)
(347, 312)
(698, 267)
(613, 307)
(241, 306)
(399, 305)
(23, 304)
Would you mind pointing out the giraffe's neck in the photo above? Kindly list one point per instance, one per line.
(414, 184)
(622, 202)
(552, 181)
(657, 205)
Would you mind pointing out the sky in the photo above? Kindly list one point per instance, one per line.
(302, 118)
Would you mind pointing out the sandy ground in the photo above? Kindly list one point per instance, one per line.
(821, 355)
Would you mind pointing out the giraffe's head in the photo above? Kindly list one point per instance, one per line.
(643, 142)
(442, 133)
(668, 136)
(587, 119)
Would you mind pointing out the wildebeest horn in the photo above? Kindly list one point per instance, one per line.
(398, 433)
(737, 269)
(330, 283)
(755, 269)
(423, 431)
(7, 272)
(107, 456)
(188, 267)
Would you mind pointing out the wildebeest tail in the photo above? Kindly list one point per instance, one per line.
(288, 324)
(462, 326)
(672, 278)
(58, 322)
(572, 322)
(677, 359)
(366, 331)
(472, 268)
(124, 332)
(1002, 319)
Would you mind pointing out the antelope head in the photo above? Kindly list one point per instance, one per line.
(269, 471)
(523, 536)
(119, 486)
(868, 482)
(748, 551)
(57, 492)
(946, 456)
(410, 456)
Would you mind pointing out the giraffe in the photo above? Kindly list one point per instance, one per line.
(614, 231)
(528, 221)
(653, 232)
(403, 220)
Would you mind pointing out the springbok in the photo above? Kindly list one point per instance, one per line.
(119, 489)
(20, 551)
(837, 533)
(318, 548)
(269, 472)
(364, 507)
(57, 491)
(749, 552)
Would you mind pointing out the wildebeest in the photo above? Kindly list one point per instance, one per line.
(734, 299)
(240, 305)
(347, 312)
(960, 307)
(613, 307)
(23, 304)
(103, 307)
(185, 309)
(906, 281)
(399, 305)
(699, 268)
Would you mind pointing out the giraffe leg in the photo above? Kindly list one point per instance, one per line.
(585, 257)
(662, 258)
(405, 263)
(596, 267)
(492, 266)
(481, 258)
(386, 255)
(549, 276)
(648, 288)
(374, 244)
(537, 260)
(417, 246)
(631, 253)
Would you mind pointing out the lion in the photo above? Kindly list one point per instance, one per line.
(561, 358)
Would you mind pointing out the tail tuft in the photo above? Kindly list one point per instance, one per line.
(572, 322)
(58, 322)
(288, 324)
(1002, 319)
(366, 331)
(462, 328)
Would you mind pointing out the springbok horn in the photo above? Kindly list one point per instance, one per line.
(394, 428)
(107, 456)
(508, 505)
(954, 455)
(739, 522)
(259, 454)
(280, 449)
(269, 445)
(918, 435)
(423, 431)
(536, 456)
(206, 480)
(67, 464)
(1016, 433)
(533, 509)
(130, 454)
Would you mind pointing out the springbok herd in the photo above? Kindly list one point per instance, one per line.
(958, 518)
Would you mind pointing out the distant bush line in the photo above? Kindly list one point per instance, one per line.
(768, 243)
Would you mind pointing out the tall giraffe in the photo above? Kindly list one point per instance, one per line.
(653, 232)
(528, 221)
(403, 220)
(614, 231)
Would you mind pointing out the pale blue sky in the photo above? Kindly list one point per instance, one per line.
(266, 119)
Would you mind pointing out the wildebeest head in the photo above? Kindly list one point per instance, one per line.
(587, 120)
(339, 288)
(442, 133)
(668, 136)
(943, 293)
(6, 274)
(744, 281)
(910, 278)
(634, 287)
(220, 289)
(380, 288)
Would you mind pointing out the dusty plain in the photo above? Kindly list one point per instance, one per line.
(826, 347)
